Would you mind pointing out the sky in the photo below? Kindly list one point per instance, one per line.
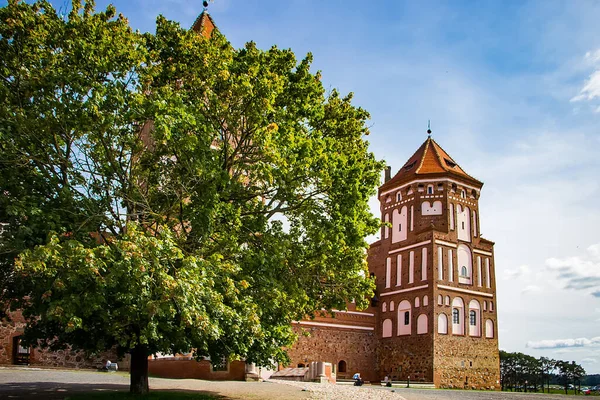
(512, 89)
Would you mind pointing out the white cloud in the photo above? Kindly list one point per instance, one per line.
(531, 289)
(591, 89)
(563, 343)
(520, 271)
(589, 360)
(579, 272)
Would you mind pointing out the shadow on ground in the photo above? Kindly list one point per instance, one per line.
(59, 391)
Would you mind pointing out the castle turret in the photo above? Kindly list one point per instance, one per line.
(435, 276)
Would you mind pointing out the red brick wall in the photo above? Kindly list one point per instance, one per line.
(192, 369)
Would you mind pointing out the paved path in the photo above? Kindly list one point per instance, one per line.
(33, 383)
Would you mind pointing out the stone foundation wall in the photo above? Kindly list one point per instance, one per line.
(402, 356)
(356, 348)
(466, 362)
(41, 357)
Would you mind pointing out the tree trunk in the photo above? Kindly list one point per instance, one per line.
(138, 370)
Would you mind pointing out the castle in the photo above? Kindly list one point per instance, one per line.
(434, 317)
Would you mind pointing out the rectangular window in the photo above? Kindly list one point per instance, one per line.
(440, 263)
(424, 264)
(450, 266)
(406, 318)
(411, 267)
(399, 270)
(386, 219)
(399, 227)
(479, 272)
(487, 273)
(455, 316)
(412, 215)
(388, 272)
(451, 216)
(472, 318)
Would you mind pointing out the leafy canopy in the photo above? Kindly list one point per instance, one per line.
(169, 191)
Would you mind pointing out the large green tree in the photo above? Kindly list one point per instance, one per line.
(165, 192)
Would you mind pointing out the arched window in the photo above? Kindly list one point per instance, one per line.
(440, 300)
(443, 324)
(465, 264)
(474, 318)
(384, 307)
(447, 300)
(400, 224)
(458, 312)
(417, 302)
(398, 196)
(489, 328)
(422, 324)
(425, 300)
(392, 305)
(342, 366)
(387, 328)
(429, 189)
(463, 194)
(404, 311)
(463, 219)
(491, 306)
(455, 316)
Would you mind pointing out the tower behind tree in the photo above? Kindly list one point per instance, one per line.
(435, 276)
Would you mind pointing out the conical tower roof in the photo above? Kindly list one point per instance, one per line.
(429, 161)
(204, 24)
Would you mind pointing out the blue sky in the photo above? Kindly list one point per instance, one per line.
(512, 89)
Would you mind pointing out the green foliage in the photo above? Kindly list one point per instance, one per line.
(170, 191)
(525, 373)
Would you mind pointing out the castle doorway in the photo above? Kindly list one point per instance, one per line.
(20, 353)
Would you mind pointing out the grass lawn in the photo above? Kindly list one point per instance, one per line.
(158, 395)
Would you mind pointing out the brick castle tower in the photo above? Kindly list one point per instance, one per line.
(433, 318)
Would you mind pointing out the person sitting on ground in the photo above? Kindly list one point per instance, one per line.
(357, 379)
(387, 381)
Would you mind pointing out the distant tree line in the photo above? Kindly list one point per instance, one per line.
(523, 372)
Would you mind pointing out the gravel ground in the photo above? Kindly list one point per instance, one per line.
(346, 392)
(54, 384)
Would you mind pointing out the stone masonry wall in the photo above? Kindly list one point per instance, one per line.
(403, 356)
(42, 357)
(356, 348)
(466, 362)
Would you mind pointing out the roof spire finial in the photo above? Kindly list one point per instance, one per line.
(205, 4)
(428, 128)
